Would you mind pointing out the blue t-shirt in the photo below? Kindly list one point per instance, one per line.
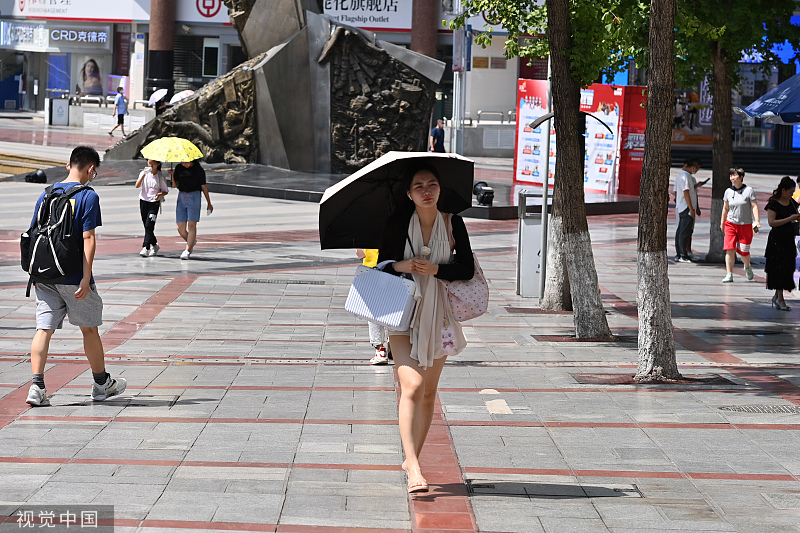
(122, 106)
(86, 205)
(438, 139)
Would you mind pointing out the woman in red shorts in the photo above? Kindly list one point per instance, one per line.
(739, 221)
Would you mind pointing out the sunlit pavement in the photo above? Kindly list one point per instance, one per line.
(251, 405)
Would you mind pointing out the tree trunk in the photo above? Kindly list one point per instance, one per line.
(656, 343)
(722, 148)
(556, 287)
(569, 210)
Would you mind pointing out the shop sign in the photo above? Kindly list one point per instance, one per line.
(23, 36)
(42, 38)
(373, 14)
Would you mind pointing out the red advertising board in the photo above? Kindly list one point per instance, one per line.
(631, 154)
(614, 137)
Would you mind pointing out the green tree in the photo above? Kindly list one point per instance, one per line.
(578, 58)
(656, 341)
(712, 36)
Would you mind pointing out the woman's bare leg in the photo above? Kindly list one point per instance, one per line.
(432, 375)
(412, 390)
(730, 260)
(182, 230)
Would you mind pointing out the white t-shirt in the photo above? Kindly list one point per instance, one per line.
(685, 182)
(740, 210)
(152, 185)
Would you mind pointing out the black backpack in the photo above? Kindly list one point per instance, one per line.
(52, 249)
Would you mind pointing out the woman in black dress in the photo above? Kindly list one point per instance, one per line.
(781, 252)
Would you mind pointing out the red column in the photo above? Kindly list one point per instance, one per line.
(161, 46)
(424, 26)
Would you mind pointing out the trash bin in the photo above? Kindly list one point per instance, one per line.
(529, 246)
(56, 111)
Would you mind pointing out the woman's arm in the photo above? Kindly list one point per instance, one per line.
(777, 222)
(756, 216)
(393, 247)
(208, 198)
(463, 265)
(142, 174)
(725, 208)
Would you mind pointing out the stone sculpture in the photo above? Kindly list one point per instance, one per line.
(315, 95)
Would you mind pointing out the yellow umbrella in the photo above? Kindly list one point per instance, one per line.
(171, 150)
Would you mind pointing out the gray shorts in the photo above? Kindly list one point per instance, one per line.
(54, 302)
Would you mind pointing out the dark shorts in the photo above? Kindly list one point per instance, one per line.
(121, 120)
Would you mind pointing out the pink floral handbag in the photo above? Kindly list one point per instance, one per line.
(469, 298)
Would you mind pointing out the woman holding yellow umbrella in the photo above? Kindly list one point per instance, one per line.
(189, 178)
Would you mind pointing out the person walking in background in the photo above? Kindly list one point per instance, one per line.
(377, 333)
(190, 179)
(154, 189)
(416, 237)
(77, 296)
(436, 139)
(120, 110)
(739, 220)
(687, 209)
(782, 216)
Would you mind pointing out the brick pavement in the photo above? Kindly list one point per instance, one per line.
(251, 406)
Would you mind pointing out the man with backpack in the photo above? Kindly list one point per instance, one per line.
(58, 252)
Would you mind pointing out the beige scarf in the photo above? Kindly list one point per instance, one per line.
(433, 310)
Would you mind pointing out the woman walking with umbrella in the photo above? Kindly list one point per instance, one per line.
(417, 238)
(190, 179)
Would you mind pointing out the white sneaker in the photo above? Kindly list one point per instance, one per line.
(185, 254)
(144, 252)
(380, 357)
(37, 397)
(112, 387)
(154, 250)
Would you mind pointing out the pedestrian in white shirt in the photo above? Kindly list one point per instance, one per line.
(687, 207)
(154, 188)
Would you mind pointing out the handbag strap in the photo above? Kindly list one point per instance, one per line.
(410, 245)
(448, 222)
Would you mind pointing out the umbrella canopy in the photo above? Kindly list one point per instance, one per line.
(780, 105)
(156, 96)
(353, 212)
(172, 150)
(180, 96)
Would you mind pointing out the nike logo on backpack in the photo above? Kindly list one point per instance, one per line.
(44, 269)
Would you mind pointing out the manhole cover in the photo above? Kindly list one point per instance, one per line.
(286, 281)
(736, 331)
(764, 409)
(627, 379)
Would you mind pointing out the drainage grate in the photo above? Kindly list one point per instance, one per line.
(534, 311)
(627, 379)
(758, 332)
(286, 281)
(571, 338)
(763, 409)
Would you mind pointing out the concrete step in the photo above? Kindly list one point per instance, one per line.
(19, 164)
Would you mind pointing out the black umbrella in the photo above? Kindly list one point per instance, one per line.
(353, 212)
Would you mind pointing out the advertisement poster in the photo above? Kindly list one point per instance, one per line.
(604, 102)
(610, 167)
(529, 159)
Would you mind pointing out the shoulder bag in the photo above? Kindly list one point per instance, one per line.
(468, 298)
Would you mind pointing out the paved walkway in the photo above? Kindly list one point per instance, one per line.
(251, 406)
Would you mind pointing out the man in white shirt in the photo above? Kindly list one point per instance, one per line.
(687, 208)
